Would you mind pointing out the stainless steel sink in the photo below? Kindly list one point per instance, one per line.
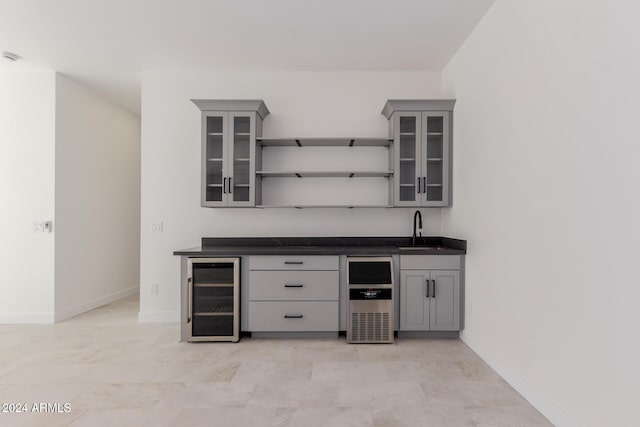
(422, 248)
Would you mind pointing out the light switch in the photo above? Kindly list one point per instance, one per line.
(38, 227)
(156, 227)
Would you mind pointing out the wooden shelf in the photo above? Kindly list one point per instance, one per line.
(213, 285)
(324, 142)
(325, 174)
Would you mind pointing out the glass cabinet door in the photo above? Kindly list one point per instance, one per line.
(213, 160)
(407, 164)
(435, 158)
(242, 146)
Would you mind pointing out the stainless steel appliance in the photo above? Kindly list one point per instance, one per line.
(213, 299)
(370, 288)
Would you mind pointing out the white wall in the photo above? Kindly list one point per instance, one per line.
(97, 180)
(26, 195)
(301, 104)
(546, 192)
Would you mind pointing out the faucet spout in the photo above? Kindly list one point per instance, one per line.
(416, 216)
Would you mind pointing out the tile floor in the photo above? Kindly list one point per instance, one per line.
(114, 371)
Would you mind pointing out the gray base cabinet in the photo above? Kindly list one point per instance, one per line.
(293, 293)
(430, 298)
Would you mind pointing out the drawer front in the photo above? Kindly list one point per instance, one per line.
(430, 262)
(293, 262)
(293, 285)
(293, 316)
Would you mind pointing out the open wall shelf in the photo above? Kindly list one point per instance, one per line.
(324, 142)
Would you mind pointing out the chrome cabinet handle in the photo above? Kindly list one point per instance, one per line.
(293, 286)
(293, 316)
(294, 262)
(189, 308)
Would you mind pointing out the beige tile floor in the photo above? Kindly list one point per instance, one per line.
(114, 371)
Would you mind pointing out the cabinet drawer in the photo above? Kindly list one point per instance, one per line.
(312, 316)
(293, 262)
(293, 285)
(430, 262)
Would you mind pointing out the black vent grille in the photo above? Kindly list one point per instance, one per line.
(370, 327)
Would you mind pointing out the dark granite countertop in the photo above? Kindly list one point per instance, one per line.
(240, 246)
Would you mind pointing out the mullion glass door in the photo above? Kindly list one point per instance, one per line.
(407, 136)
(214, 153)
(435, 157)
(242, 174)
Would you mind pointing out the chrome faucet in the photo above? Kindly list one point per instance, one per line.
(417, 216)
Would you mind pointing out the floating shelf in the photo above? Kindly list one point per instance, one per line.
(325, 142)
(325, 174)
(323, 206)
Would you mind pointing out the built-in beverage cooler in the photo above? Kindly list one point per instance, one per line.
(213, 299)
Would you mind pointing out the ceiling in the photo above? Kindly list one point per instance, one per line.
(105, 44)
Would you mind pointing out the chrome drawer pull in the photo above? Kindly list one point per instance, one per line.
(293, 316)
(293, 286)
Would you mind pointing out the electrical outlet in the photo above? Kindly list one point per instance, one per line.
(48, 226)
(156, 227)
(154, 289)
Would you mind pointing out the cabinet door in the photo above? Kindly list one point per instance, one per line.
(435, 158)
(408, 187)
(241, 159)
(414, 304)
(214, 134)
(444, 311)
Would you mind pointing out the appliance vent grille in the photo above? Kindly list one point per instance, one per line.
(370, 327)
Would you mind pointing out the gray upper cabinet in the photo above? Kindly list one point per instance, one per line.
(422, 135)
(229, 132)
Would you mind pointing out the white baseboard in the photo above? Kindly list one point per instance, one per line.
(550, 409)
(158, 317)
(26, 318)
(68, 313)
